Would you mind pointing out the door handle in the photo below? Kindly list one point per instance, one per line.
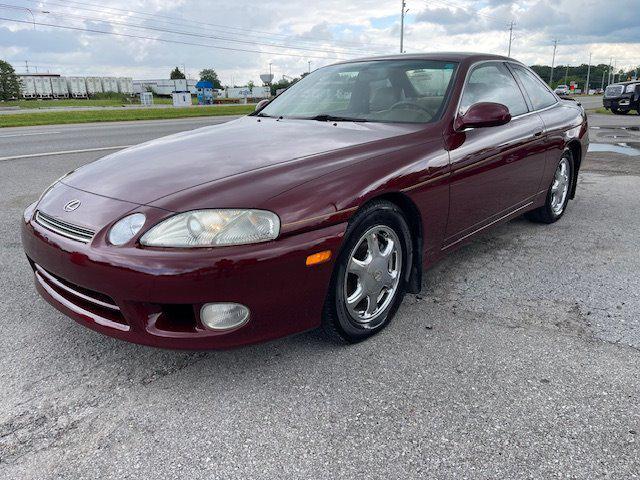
(538, 134)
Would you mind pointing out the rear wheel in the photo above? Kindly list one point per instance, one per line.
(368, 283)
(558, 193)
(617, 111)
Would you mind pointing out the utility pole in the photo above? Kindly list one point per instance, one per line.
(609, 71)
(404, 5)
(602, 84)
(588, 75)
(510, 37)
(553, 61)
(566, 74)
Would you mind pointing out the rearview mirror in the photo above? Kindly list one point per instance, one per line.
(483, 114)
(261, 104)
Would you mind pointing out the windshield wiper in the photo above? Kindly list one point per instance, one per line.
(323, 117)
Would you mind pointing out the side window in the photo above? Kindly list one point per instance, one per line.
(539, 94)
(493, 82)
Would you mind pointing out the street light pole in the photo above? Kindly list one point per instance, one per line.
(510, 37)
(553, 61)
(404, 5)
(566, 74)
(588, 75)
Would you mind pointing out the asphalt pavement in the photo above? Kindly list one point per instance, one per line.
(20, 141)
(520, 358)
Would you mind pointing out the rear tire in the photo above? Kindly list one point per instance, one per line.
(558, 193)
(369, 278)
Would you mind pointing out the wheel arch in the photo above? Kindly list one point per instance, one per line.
(575, 148)
(414, 219)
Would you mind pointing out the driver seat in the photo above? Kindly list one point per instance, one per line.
(383, 99)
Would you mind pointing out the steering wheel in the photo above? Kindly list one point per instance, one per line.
(407, 103)
(402, 104)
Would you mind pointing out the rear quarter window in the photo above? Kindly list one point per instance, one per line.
(539, 94)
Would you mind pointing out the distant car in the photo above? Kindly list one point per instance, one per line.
(323, 207)
(622, 97)
(562, 90)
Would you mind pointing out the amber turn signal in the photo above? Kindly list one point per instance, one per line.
(319, 257)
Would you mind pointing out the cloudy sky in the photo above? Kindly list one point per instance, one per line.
(146, 38)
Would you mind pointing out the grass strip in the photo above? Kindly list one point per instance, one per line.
(89, 116)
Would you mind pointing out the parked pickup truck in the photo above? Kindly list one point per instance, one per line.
(622, 97)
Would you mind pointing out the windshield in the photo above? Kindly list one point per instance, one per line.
(408, 91)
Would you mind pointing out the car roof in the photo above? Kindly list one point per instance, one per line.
(630, 82)
(443, 56)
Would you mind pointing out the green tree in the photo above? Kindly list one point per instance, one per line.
(210, 75)
(250, 85)
(176, 74)
(9, 83)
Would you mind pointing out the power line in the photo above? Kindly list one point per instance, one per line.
(176, 21)
(213, 37)
(142, 37)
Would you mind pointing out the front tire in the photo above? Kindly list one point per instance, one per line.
(369, 278)
(619, 112)
(558, 193)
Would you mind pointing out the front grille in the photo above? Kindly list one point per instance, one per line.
(68, 230)
(613, 91)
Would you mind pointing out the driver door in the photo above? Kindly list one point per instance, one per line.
(491, 167)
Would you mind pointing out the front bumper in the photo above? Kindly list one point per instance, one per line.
(154, 296)
(618, 103)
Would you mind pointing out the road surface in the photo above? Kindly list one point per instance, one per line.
(520, 359)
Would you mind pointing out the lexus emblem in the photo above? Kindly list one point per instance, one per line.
(72, 205)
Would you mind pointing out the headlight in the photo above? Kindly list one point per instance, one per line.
(126, 228)
(213, 228)
(630, 88)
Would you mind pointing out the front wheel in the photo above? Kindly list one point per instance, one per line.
(558, 193)
(368, 283)
(617, 111)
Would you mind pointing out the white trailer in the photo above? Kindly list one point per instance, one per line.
(160, 87)
(59, 87)
(43, 87)
(94, 85)
(245, 92)
(125, 85)
(76, 86)
(28, 87)
(109, 84)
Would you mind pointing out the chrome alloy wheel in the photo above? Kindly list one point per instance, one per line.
(560, 187)
(373, 275)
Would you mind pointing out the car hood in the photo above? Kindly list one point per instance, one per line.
(160, 168)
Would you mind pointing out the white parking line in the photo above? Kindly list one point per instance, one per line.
(28, 134)
(64, 152)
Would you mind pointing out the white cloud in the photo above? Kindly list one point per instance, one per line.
(304, 31)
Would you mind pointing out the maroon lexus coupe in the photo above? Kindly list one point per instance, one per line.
(322, 208)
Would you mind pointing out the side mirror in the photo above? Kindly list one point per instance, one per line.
(483, 114)
(261, 104)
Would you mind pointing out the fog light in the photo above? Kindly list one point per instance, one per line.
(223, 316)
